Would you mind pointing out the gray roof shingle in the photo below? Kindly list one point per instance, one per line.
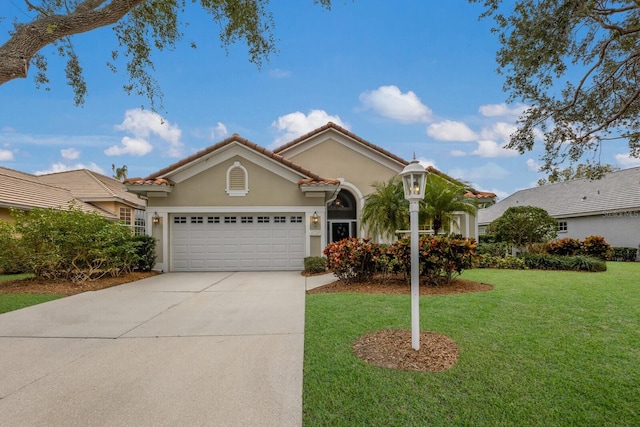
(615, 191)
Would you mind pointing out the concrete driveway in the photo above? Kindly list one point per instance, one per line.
(223, 349)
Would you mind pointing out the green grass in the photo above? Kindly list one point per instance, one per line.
(10, 302)
(543, 348)
(4, 277)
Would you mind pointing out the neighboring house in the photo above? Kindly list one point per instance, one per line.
(238, 206)
(607, 207)
(87, 190)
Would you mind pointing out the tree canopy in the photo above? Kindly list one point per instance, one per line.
(575, 64)
(141, 26)
(522, 226)
(582, 170)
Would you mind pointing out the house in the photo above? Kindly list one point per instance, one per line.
(87, 190)
(607, 207)
(238, 206)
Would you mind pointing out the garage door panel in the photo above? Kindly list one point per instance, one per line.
(213, 242)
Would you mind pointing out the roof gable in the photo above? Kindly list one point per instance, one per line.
(229, 147)
(342, 135)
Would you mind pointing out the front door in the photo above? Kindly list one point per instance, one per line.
(342, 217)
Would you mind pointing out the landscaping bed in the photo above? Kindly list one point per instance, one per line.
(66, 288)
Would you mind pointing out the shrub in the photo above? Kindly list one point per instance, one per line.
(623, 254)
(566, 246)
(145, 251)
(352, 260)
(315, 264)
(73, 245)
(507, 263)
(597, 247)
(497, 249)
(558, 262)
(12, 257)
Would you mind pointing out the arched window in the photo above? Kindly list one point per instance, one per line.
(237, 180)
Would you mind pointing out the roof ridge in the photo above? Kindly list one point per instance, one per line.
(332, 125)
(238, 139)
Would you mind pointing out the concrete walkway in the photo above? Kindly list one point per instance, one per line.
(223, 349)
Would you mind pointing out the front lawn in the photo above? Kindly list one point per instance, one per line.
(10, 302)
(542, 348)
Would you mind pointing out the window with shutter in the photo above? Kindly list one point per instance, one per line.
(237, 180)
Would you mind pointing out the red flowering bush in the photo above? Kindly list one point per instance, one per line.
(566, 246)
(440, 257)
(596, 246)
(352, 260)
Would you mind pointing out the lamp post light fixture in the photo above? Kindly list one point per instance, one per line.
(414, 180)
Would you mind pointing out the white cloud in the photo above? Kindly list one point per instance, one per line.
(131, 146)
(70, 153)
(143, 124)
(278, 73)
(493, 149)
(487, 171)
(296, 124)
(7, 129)
(389, 102)
(533, 165)
(450, 130)
(61, 167)
(427, 162)
(498, 130)
(626, 161)
(6, 155)
(220, 131)
(458, 153)
(501, 110)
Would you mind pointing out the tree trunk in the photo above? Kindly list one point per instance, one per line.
(29, 38)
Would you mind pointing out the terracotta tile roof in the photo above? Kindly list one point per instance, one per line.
(146, 181)
(331, 125)
(24, 191)
(235, 138)
(471, 192)
(91, 186)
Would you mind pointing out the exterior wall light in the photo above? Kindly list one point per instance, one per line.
(315, 218)
(155, 219)
(414, 180)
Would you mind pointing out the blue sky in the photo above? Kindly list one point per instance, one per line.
(412, 76)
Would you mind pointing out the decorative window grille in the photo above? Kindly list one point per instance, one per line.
(179, 219)
(197, 220)
(213, 220)
(296, 219)
(246, 219)
(230, 219)
(125, 215)
(279, 219)
(562, 226)
(263, 220)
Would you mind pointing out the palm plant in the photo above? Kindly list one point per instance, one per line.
(386, 210)
(441, 199)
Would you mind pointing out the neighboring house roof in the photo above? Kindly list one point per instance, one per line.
(616, 191)
(90, 186)
(24, 191)
(159, 178)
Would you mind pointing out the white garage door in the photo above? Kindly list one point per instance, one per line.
(237, 242)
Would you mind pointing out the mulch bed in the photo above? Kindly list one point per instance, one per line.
(62, 287)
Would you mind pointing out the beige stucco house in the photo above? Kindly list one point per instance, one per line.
(238, 206)
(84, 189)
